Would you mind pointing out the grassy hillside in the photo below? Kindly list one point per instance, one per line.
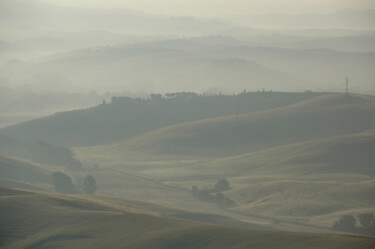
(322, 116)
(305, 164)
(312, 182)
(22, 174)
(315, 181)
(311, 174)
(125, 117)
(39, 220)
(335, 155)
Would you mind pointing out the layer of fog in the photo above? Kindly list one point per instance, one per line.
(56, 58)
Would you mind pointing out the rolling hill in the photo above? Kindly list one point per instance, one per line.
(309, 162)
(305, 164)
(148, 67)
(54, 17)
(126, 117)
(40, 220)
(313, 182)
(322, 116)
(21, 174)
(202, 65)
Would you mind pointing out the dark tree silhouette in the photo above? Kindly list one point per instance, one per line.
(62, 183)
(347, 223)
(89, 185)
(221, 185)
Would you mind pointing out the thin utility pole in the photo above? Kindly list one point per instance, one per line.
(347, 86)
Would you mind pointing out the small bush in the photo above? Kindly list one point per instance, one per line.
(62, 183)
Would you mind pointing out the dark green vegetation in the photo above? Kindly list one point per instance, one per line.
(125, 117)
(348, 223)
(39, 220)
(63, 183)
(214, 195)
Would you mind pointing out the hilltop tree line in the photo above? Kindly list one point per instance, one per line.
(64, 184)
(39, 152)
(364, 224)
(124, 117)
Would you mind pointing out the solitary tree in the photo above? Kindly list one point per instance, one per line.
(62, 183)
(89, 185)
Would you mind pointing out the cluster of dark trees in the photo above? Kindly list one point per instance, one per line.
(40, 152)
(64, 184)
(215, 194)
(348, 223)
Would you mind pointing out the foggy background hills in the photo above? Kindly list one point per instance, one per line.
(56, 57)
(249, 118)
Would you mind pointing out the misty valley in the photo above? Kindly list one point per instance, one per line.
(125, 129)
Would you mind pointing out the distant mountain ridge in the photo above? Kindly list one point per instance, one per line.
(194, 65)
(38, 14)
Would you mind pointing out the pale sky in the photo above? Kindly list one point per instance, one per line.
(223, 7)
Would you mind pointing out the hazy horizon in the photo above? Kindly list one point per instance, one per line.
(227, 124)
(223, 7)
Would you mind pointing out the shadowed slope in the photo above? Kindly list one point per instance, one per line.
(21, 174)
(37, 220)
(126, 117)
(323, 116)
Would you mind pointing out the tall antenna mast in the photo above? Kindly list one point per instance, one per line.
(237, 108)
(347, 86)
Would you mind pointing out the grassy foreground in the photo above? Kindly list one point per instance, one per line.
(44, 220)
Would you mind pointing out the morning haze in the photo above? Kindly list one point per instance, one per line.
(187, 124)
(222, 7)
